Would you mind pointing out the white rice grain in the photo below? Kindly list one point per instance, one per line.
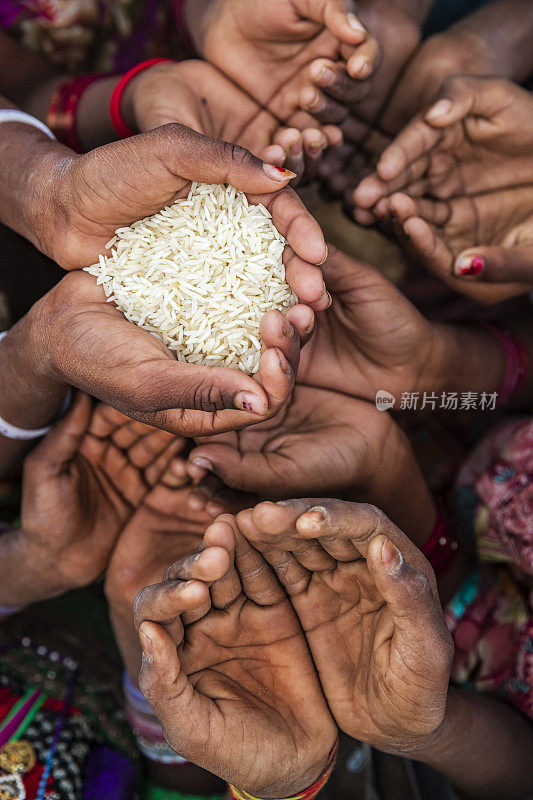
(199, 275)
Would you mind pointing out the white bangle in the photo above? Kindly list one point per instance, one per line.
(10, 431)
(14, 115)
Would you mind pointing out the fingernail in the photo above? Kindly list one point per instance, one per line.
(296, 149)
(326, 77)
(247, 401)
(440, 109)
(278, 173)
(361, 67)
(316, 514)
(287, 329)
(310, 99)
(146, 644)
(469, 265)
(324, 259)
(354, 23)
(330, 300)
(282, 361)
(203, 463)
(391, 558)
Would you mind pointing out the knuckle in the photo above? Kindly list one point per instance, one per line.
(207, 396)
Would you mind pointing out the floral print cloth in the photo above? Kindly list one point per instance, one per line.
(82, 35)
(491, 617)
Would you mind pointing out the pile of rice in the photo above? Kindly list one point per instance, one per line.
(199, 275)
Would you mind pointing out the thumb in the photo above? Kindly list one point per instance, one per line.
(467, 95)
(63, 441)
(196, 157)
(338, 16)
(411, 597)
(496, 264)
(243, 471)
(161, 677)
(174, 385)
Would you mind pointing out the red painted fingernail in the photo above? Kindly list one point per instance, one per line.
(471, 265)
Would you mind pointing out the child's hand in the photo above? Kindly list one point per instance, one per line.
(367, 601)
(198, 95)
(79, 487)
(267, 48)
(168, 523)
(227, 670)
(476, 137)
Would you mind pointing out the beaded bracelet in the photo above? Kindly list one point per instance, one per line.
(441, 547)
(63, 109)
(116, 98)
(307, 794)
(517, 363)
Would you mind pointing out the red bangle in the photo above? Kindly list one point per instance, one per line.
(441, 547)
(116, 98)
(517, 364)
(63, 109)
(307, 794)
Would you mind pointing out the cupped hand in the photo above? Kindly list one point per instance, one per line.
(371, 338)
(167, 524)
(228, 673)
(81, 339)
(273, 44)
(367, 601)
(352, 105)
(80, 485)
(324, 441)
(320, 439)
(77, 202)
(480, 245)
(476, 137)
(198, 95)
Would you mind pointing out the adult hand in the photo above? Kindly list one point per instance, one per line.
(228, 673)
(80, 485)
(476, 137)
(273, 44)
(198, 95)
(81, 339)
(367, 601)
(75, 203)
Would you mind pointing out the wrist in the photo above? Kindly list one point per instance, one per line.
(26, 571)
(45, 174)
(439, 747)
(463, 358)
(35, 394)
(313, 781)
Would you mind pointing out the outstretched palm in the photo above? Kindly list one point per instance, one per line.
(240, 696)
(375, 628)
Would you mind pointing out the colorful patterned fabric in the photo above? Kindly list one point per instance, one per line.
(491, 617)
(87, 35)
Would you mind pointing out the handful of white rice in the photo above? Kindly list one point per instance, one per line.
(199, 275)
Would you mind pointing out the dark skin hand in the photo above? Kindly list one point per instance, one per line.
(80, 485)
(324, 440)
(474, 138)
(77, 202)
(80, 339)
(273, 44)
(367, 601)
(481, 245)
(337, 99)
(168, 523)
(198, 95)
(228, 673)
